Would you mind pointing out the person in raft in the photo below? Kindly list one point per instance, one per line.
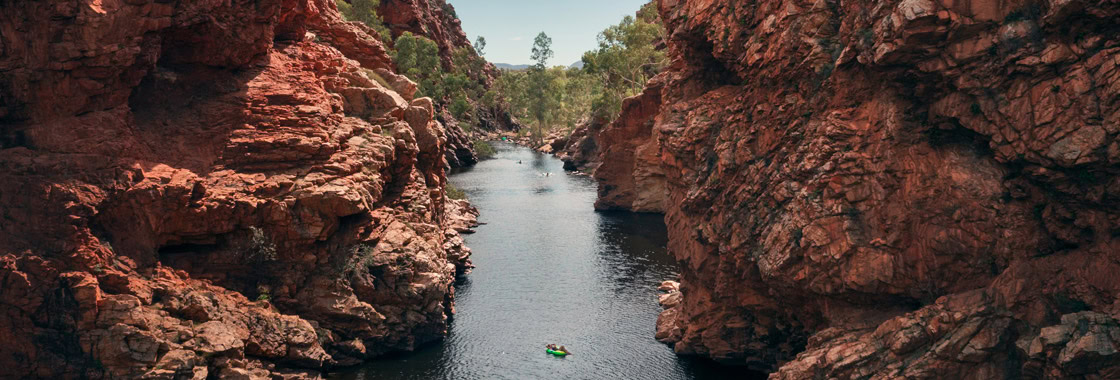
(558, 349)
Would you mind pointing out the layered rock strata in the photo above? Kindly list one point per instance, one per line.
(197, 189)
(887, 189)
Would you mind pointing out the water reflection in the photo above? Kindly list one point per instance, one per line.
(632, 250)
(551, 270)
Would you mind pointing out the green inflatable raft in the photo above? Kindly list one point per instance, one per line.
(557, 353)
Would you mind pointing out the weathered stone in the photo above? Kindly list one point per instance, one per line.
(869, 189)
(186, 186)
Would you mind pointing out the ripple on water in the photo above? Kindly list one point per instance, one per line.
(551, 270)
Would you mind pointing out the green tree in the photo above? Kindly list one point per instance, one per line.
(365, 11)
(578, 90)
(542, 50)
(418, 58)
(624, 61)
(461, 108)
(626, 58)
(470, 65)
(541, 84)
(480, 46)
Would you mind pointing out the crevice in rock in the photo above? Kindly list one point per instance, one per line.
(707, 71)
(14, 138)
(237, 261)
(58, 333)
(953, 134)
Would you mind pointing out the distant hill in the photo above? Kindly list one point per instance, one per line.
(577, 65)
(506, 66)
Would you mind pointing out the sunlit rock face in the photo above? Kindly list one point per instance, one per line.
(889, 188)
(629, 171)
(438, 21)
(199, 189)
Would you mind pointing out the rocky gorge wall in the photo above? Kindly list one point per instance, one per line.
(886, 189)
(629, 174)
(437, 20)
(201, 189)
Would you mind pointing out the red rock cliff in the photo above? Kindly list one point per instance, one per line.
(888, 189)
(437, 20)
(196, 189)
(629, 173)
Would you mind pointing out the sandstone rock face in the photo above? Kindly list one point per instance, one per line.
(581, 148)
(434, 19)
(887, 189)
(629, 174)
(196, 189)
(460, 149)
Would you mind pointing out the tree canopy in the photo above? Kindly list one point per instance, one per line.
(480, 46)
(626, 58)
(365, 11)
(624, 61)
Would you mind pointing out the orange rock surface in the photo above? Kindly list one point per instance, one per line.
(888, 189)
(196, 189)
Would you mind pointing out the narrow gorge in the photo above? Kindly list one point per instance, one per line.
(282, 189)
(882, 189)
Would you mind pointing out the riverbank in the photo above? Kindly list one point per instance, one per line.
(550, 269)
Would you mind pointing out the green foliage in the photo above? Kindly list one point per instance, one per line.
(357, 263)
(626, 59)
(489, 98)
(264, 297)
(365, 11)
(261, 248)
(480, 46)
(467, 62)
(460, 107)
(560, 97)
(454, 192)
(418, 58)
(541, 87)
(510, 89)
(484, 150)
(542, 50)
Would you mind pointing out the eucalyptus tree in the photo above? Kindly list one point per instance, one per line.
(541, 90)
(627, 58)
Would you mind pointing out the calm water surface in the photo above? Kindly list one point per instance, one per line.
(551, 270)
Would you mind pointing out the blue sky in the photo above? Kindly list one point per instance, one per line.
(510, 25)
